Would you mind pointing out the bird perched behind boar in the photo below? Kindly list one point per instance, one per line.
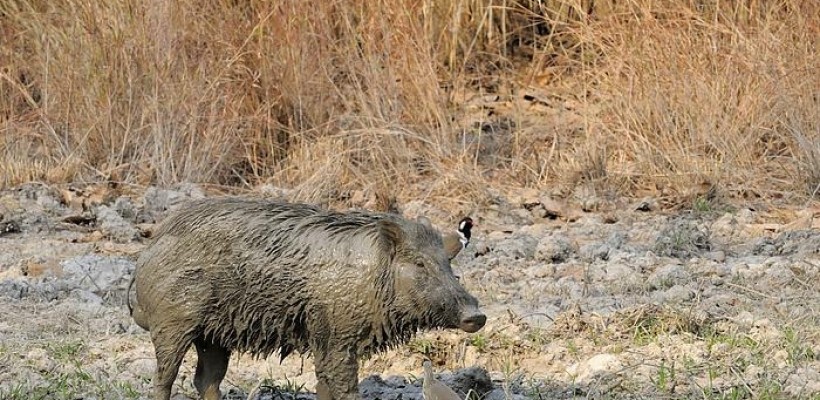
(256, 276)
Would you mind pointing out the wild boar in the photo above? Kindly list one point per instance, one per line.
(257, 276)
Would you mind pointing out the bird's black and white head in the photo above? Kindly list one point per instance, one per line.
(464, 231)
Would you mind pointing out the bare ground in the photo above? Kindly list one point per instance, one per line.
(717, 302)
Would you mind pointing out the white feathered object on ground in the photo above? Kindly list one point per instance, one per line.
(432, 389)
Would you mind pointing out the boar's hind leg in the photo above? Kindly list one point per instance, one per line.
(337, 373)
(170, 349)
(211, 365)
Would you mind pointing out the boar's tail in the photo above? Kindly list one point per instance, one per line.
(128, 296)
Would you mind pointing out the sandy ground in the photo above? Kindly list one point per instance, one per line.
(717, 303)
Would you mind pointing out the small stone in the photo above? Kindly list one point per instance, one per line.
(143, 367)
(596, 366)
(614, 272)
(125, 208)
(668, 276)
(517, 247)
(554, 249)
(678, 294)
(87, 296)
(804, 381)
(113, 226)
(716, 256)
(500, 394)
(646, 204)
(553, 209)
(595, 251)
(97, 274)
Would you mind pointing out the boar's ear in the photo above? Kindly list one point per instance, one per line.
(424, 221)
(390, 235)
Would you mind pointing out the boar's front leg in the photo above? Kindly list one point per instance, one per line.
(337, 372)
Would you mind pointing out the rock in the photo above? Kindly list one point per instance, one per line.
(678, 294)
(646, 204)
(40, 358)
(720, 304)
(595, 251)
(44, 196)
(517, 247)
(552, 209)
(681, 238)
(21, 288)
(541, 271)
(97, 274)
(616, 240)
(765, 246)
(716, 256)
(800, 242)
(526, 198)
(113, 226)
(274, 192)
(467, 379)
(15, 288)
(778, 275)
(500, 394)
(143, 367)
(158, 202)
(594, 368)
(615, 272)
(9, 226)
(668, 276)
(726, 226)
(374, 387)
(125, 208)
(805, 381)
(86, 296)
(554, 249)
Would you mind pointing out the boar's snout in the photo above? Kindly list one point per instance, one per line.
(472, 321)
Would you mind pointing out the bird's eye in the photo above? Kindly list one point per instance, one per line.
(419, 264)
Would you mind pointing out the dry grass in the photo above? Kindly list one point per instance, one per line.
(637, 97)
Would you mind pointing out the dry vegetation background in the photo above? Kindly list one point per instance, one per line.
(452, 99)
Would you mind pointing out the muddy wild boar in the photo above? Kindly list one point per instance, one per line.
(257, 276)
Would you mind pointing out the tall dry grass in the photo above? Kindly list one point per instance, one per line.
(654, 96)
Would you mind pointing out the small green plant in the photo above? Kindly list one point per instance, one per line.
(479, 341)
(797, 350)
(646, 330)
(770, 390)
(65, 351)
(733, 340)
(286, 386)
(127, 390)
(537, 336)
(421, 346)
(76, 384)
(702, 205)
(665, 377)
(572, 348)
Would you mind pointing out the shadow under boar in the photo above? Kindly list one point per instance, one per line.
(257, 276)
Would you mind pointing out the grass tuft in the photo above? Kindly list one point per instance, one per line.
(634, 98)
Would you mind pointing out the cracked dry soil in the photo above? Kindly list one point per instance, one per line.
(618, 304)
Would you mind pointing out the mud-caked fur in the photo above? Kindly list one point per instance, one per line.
(257, 276)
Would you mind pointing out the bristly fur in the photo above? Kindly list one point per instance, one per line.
(261, 276)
